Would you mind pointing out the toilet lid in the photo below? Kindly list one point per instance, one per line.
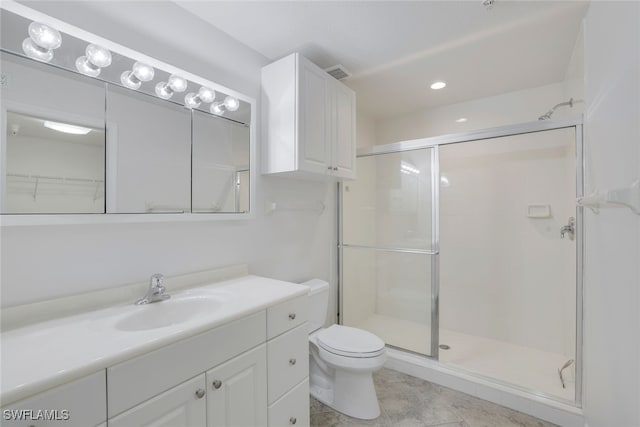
(350, 342)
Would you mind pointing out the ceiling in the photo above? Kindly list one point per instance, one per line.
(396, 49)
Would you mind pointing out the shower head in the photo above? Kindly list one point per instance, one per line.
(549, 113)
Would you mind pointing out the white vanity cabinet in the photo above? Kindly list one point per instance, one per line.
(310, 120)
(80, 403)
(237, 391)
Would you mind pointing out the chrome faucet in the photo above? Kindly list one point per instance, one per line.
(569, 229)
(156, 291)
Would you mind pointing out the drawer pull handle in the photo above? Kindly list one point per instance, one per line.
(200, 393)
(292, 316)
(292, 362)
(217, 384)
(293, 420)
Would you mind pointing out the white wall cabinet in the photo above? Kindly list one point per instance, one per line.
(309, 120)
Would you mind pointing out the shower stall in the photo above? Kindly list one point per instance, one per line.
(467, 249)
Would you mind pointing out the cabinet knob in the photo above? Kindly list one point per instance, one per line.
(292, 316)
(293, 420)
(200, 393)
(335, 168)
(217, 384)
(329, 167)
(292, 362)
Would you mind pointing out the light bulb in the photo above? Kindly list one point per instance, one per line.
(143, 72)
(45, 36)
(139, 73)
(129, 80)
(163, 91)
(85, 67)
(206, 95)
(177, 83)
(98, 56)
(191, 100)
(216, 108)
(231, 103)
(34, 51)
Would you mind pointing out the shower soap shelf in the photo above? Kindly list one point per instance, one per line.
(618, 198)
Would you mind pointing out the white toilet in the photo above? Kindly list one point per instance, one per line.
(342, 360)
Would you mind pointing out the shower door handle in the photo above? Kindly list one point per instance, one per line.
(569, 229)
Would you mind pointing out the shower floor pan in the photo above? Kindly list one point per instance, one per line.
(524, 367)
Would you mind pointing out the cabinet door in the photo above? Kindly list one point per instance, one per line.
(237, 391)
(344, 141)
(314, 127)
(182, 406)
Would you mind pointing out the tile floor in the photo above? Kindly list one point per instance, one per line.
(406, 401)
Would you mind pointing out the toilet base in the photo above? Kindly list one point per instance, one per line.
(349, 392)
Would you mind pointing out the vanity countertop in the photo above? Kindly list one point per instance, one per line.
(44, 355)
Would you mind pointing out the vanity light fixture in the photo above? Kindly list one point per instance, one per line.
(438, 85)
(165, 90)
(230, 103)
(95, 58)
(67, 128)
(41, 42)
(139, 73)
(193, 100)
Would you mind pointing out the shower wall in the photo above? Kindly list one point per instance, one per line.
(504, 275)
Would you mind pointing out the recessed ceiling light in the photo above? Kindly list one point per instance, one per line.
(461, 120)
(66, 128)
(438, 85)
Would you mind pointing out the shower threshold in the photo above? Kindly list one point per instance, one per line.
(524, 367)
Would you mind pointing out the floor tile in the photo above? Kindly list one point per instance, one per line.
(407, 401)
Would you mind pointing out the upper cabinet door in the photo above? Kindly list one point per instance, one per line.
(344, 143)
(314, 125)
(309, 120)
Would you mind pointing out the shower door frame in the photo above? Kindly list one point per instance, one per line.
(434, 143)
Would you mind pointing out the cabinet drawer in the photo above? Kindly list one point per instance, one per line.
(182, 406)
(286, 315)
(143, 377)
(287, 361)
(76, 404)
(292, 409)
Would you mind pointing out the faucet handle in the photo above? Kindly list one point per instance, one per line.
(156, 280)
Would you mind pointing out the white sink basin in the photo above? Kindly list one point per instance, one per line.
(170, 312)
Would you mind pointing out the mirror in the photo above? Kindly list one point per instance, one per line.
(149, 138)
(220, 169)
(53, 141)
(148, 154)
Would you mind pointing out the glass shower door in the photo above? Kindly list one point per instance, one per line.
(388, 249)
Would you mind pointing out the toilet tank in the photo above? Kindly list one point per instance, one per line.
(318, 303)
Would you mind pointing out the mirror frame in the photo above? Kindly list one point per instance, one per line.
(117, 218)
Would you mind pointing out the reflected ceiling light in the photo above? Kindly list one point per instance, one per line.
(138, 74)
(230, 103)
(444, 181)
(67, 128)
(438, 85)
(193, 100)
(41, 42)
(461, 120)
(409, 169)
(165, 90)
(95, 58)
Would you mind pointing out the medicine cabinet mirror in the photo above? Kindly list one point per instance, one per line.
(117, 134)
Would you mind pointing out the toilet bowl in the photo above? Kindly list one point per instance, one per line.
(342, 360)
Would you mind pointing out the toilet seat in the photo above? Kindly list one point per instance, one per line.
(350, 342)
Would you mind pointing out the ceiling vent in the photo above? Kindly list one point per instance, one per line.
(338, 72)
